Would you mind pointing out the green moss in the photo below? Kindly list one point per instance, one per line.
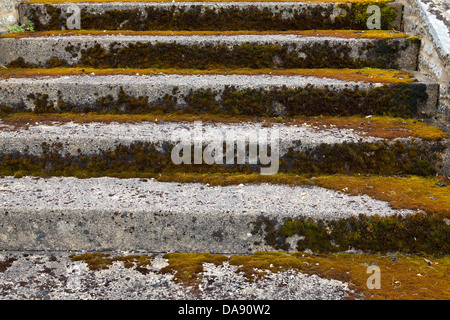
(55, 62)
(414, 39)
(411, 234)
(359, 16)
(392, 100)
(20, 63)
(148, 160)
(247, 55)
(231, 18)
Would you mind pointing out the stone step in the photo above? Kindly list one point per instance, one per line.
(227, 15)
(284, 93)
(150, 148)
(98, 214)
(317, 49)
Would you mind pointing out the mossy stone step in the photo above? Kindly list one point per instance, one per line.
(233, 94)
(200, 51)
(148, 149)
(52, 15)
(138, 214)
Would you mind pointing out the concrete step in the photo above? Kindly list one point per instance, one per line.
(151, 148)
(205, 51)
(99, 214)
(233, 15)
(282, 94)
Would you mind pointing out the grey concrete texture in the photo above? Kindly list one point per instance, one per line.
(54, 276)
(91, 139)
(87, 89)
(34, 50)
(101, 214)
(285, 9)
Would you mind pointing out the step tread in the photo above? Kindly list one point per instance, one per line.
(350, 34)
(354, 126)
(369, 75)
(105, 196)
(206, 1)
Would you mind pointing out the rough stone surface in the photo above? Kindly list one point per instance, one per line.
(34, 50)
(285, 9)
(95, 138)
(53, 276)
(138, 214)
(86, 89)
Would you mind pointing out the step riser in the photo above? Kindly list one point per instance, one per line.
(205, 52)
(208, 16)
(155, 231)
(228, 94)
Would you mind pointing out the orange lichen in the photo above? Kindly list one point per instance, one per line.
(305, 1)
(366, 34)
(362, 75)
(401, 276)
(381, 127)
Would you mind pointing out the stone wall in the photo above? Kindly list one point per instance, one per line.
(430, 20)
(8, 14)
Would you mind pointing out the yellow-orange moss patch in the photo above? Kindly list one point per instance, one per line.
(187, 267)
(404, 277)
(371, 75)
(305, 1)
(357, 34)
(415, 193)
(381, 127)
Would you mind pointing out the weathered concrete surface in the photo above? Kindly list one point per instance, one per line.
(91, 139)
(136, 214)
(430, 20)
(284, 10)
(86, 90)
(398, 53)
(53, 276)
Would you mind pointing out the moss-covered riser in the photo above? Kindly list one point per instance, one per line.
(393, 100)
(415, 233)
(199, 17)
(149, 160)
(380, 53)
